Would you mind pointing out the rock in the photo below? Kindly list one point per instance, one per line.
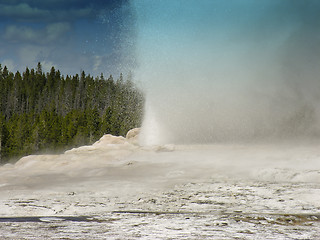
(110, 139)
(133, 136)
(107, 141)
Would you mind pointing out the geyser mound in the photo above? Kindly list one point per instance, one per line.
(229, 71)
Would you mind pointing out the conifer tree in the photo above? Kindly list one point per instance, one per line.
(1, 133)
(41, 111)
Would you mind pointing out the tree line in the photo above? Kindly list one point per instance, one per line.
(41, 112)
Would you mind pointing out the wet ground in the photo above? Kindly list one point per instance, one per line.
(168, 193)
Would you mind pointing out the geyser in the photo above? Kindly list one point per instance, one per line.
(228, 71)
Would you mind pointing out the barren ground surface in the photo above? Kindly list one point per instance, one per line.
(122, 191)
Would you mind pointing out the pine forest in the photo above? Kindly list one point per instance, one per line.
(47, 112)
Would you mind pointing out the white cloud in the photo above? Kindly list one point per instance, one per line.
(16, 33)
(9, 63)
(50, 33)
(22, 10)
(56, 30)
(97, 63)
(29, 55)
(47, 65)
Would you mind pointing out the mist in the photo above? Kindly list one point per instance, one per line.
(228, 71)
(229, 86)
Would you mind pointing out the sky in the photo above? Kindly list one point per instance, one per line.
(213, 69)
(229, 70)
(71, 35)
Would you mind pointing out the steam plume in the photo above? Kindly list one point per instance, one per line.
(221, 71)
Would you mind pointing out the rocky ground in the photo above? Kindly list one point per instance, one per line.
(116, 189)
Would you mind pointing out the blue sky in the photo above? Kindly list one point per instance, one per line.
(117, 35)
(72, 35)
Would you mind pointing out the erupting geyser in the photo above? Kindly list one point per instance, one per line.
(229, 71)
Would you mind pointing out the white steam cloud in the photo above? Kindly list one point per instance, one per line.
(221, 71)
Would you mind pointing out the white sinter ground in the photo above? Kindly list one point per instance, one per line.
(116, 189)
